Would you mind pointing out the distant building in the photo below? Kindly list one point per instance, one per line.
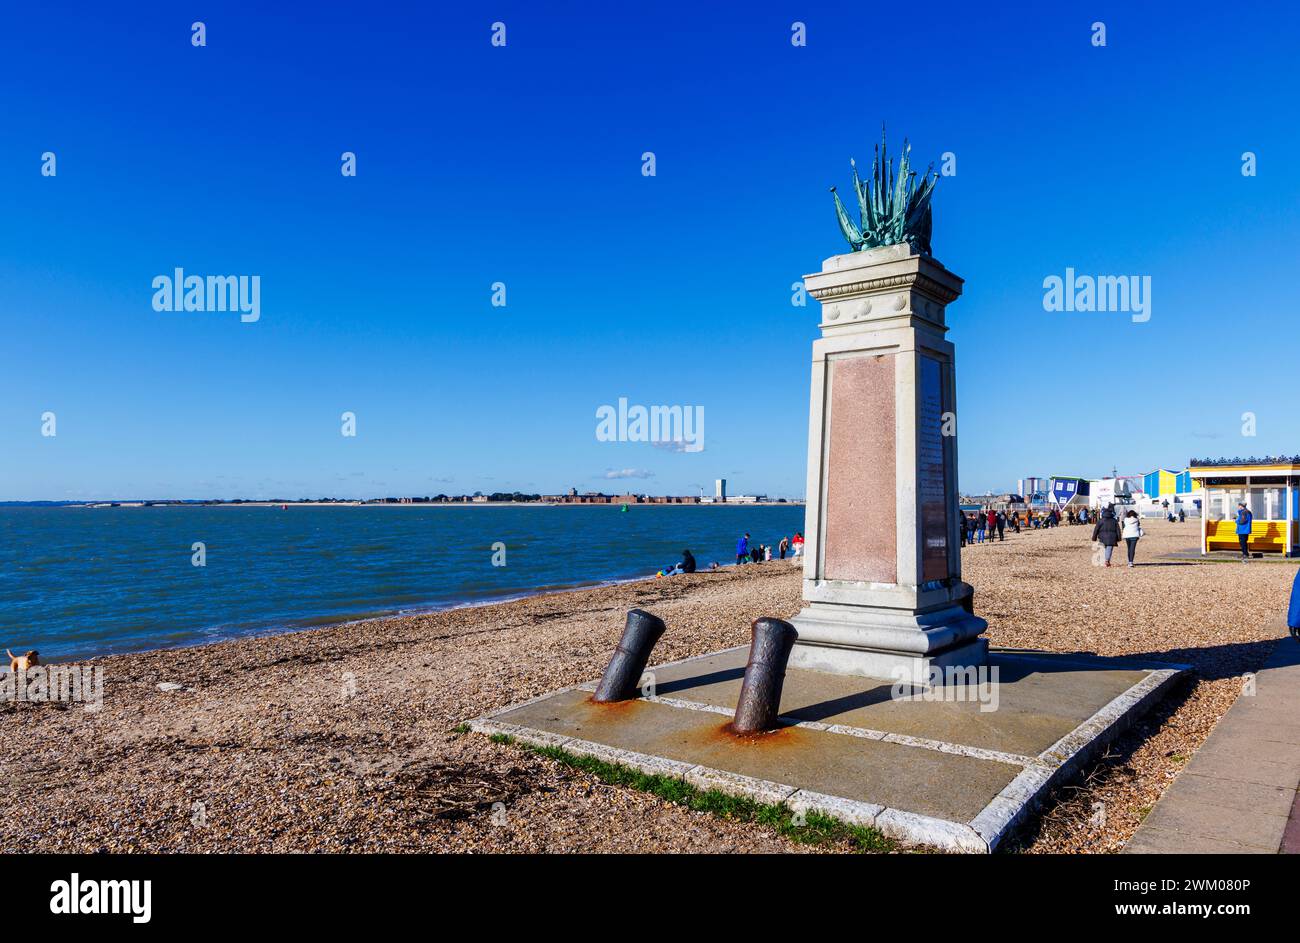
(1107, 491)
(720, 489)
(1067, 489)
(1034, 489)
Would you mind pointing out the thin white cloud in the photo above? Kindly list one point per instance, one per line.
(628, 473)
(677, 445)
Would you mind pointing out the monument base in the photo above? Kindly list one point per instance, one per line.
(892, 645)
(918, 671)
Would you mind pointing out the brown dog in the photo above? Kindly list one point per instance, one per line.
(19, 663)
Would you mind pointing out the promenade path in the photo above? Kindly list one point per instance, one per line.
(1238, 793)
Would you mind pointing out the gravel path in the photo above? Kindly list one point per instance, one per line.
(342, 738)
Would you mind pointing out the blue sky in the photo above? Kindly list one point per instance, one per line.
(522, 164)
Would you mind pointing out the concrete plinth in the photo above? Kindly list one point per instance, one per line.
(882, 568)
(955, 767)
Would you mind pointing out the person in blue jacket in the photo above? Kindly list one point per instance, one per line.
(1244, 520)
(742, 549)
(1293, 614)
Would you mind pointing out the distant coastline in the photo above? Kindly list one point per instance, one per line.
(98, 505)
(607, 501)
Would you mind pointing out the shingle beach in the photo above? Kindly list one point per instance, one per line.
(345, 738)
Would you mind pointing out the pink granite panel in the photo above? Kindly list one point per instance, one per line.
(861, 540)
(932, 464)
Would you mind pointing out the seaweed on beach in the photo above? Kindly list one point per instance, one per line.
(456, 791)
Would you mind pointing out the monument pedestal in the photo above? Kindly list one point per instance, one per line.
(884, 599)
(882, 571)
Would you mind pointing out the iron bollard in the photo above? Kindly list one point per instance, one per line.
(760, 693)
(619, 682)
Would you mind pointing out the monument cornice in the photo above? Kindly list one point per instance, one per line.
(916, 281)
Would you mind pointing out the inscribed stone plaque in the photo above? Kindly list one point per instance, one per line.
(861, 540)
(932, 483)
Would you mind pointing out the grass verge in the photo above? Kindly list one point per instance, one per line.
(809, 828)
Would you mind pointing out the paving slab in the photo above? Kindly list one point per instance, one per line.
(1259, 723)
(956, 769)
(1159, 841)
(1225, 766)
(1249, 827)
(1243, 796)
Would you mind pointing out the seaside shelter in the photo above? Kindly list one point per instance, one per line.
(1271, 489)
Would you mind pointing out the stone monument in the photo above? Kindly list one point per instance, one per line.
(883, 598)
(882, 582)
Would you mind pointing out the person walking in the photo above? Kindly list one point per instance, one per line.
(783, 546)
(991, 523)
(980, 523)
(1244, 520)
(1293, 612)
(797, 544)
(1106, 532)
(742, 550)
(1002, 526)
(1132, 533)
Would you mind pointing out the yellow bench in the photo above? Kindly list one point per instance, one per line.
(1266, 536)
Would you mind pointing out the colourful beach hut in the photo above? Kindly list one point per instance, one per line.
(1271, 489)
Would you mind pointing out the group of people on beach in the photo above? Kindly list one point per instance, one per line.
(976, 525)
(990, 524)
(1108, 530)
(748, 551)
